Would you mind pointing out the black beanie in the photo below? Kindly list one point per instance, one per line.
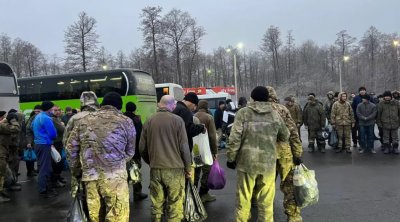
(2, 113)
(46, 105)
(38, 107)
(311, 94)
(260, 94)
(12, 111)
(367, 97)
(220, 103)
(362, 88)
(387, 93)
(130, 107)
(112, 99)
(192, 97)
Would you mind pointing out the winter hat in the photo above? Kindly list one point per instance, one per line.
(367, 97)
(37, 107)
(288, 99)
(2, 113)
(12, 111)
(272, 93)
(46, 105)
(362, 88)
(330, 93)
(112, 99)
(192, 97)
(220, 103)
(260, 94)
(68, 108)
(203, 104)
(387, 93)
(88, 98)
(130, 107)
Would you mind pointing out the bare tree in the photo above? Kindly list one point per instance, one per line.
(81, 42)
(270, 44)
(5, 48)
(151, 28)
(370, 44)
(176, 30)
(120, 59)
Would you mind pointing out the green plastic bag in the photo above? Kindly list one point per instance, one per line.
(306, 190)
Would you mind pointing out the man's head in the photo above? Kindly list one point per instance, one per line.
(330, 95)
(130, 107)
(362, 90)
(37, 109)
(387, 96)
(68, 110)
(221, 105)
(112, 99)
(2, 115)
(47, 106)
(260, 94)
(366, 98)
(191, 100)
(272, 93)
(167, 102)
(289, 101)
(203, 104)
(88, 98)
(57, 111)
(343, 97)
(311, 96)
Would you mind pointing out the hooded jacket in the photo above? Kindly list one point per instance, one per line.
(252, 142)
(313, 114)
(388, 114)
(342, 113)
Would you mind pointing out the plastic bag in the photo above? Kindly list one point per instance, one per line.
(193, 208)
(201, 152)
(134, 175)
(333, 140)
(29, 155)
(55, 154)
(305, 186)
(78, 211)
(216, 178)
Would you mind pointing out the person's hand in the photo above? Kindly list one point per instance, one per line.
(11, 116)
(29, 145)
(204, 129)
(297, 160)
(214, 156)
(298, 125)
(188, 175)
(231, 165)
(353, 125)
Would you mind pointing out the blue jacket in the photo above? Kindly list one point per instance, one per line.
(43, 129)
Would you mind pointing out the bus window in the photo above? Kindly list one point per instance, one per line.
(7, 85)
(113, 82)
(141, 84)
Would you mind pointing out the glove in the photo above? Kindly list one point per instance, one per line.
(231, 165)
(297, 161)
(11, 116)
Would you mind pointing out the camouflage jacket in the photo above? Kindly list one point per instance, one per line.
(296, 113)
(388, 114)
(71, 123)
(342, 114)
(59, 125)
(7, 129)
(328, 109)
(18, 140)
(100, 144)
(294, 147)
(252, 142)
(313, 115)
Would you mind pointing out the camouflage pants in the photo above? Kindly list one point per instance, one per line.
(344, 134)
(204, 171)
(312, 136)
(167, 191)
(13, 160)
(263, 188)
(390, 134)
(3, 168)
(108, 200)
(284, 170)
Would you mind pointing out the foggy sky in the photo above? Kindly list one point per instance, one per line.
(227, 22)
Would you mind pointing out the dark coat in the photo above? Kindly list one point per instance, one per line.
(138, 127)
(218, 118)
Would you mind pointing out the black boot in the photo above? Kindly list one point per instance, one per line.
(321, 148)
(386, 148)
(311, 147)
(395, 148)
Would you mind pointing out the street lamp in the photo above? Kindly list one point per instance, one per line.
(396, 44)
(238, 46)
(104, 67)
(344, 59)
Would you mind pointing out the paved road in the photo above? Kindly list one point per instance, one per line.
(353, 187)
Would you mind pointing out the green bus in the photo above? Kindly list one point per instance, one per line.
(64, 90)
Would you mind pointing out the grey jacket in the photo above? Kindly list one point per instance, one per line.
(366, 113)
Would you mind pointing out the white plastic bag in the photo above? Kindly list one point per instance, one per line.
(201, 152)
(55, 154)
(306, 190)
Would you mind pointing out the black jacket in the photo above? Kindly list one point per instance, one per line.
(218, 118)
(192, 129)
(138, 127)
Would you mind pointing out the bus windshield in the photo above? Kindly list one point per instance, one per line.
(7, 85)
(141, 83)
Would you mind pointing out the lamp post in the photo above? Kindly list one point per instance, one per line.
(396, 44)
(345, 59)
(238, 46)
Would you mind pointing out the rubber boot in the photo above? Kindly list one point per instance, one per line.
(311, 148)
(321, 148)
(395, 149)
(386, 148)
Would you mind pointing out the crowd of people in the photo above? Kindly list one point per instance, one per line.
(264, 142)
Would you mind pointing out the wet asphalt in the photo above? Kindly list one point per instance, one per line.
(353, 187)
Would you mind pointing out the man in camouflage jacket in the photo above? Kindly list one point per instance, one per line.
(252, 149)
(314, 121)
(342, 119)
(98, 149)
(388, 120)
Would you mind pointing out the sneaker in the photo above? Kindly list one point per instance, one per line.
(207, 198)
(4, 199)
(361, 151)
(373, 151)
(138, 197)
